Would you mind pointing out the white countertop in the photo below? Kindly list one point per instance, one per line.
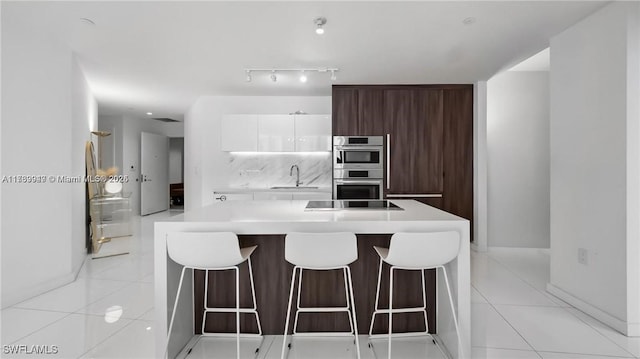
(277, 217)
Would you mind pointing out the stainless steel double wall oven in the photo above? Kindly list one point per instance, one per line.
(358, 172)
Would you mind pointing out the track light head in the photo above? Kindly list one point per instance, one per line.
(273, 73)
(320, 21)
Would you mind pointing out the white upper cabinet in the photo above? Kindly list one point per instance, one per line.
(239, 133)
(313, 133)
(276, 133)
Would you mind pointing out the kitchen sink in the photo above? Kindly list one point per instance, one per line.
(294, 187)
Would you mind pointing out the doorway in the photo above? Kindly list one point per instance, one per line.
(176, 173)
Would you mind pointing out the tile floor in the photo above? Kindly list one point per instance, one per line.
(108, 313)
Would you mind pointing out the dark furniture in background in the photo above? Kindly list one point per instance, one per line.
(176, 194)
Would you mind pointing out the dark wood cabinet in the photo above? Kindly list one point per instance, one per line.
(458, 152)
(344, 111)
(371, 112)
(414, 142)
(357, 111)
(430, 131)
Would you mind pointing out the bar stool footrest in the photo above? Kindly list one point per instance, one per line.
(400, 310)
(230, 310)
(400, 335)
(232, 335)
(323, 309)
(323, 334)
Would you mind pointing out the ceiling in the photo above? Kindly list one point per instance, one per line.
(161, 56)
(538, 62)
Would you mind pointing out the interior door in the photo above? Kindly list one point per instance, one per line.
(154, 171)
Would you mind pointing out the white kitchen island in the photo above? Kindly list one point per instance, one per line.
(266, 222)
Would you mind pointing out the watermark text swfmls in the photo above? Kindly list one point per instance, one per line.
(30, 349)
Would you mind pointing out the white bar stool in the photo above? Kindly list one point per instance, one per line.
(415, 251)
(321, 251)
(213, 251)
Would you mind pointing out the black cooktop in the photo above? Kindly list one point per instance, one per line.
(354, 204)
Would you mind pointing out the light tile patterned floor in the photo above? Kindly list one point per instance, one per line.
(512, 315)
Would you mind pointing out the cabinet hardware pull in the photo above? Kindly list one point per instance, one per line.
(388, 160)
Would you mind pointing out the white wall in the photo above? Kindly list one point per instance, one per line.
(203, 158)
(480, 166)
(84, 112)
(176, 159)
(112, 146)
(518, 159)
(1, 187)
(633, 171)
(47, 114)
(594, 165)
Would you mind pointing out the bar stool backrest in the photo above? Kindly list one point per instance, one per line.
(321, 250)
(204, 249)
(423, 250)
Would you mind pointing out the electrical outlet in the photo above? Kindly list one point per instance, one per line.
(583, 256)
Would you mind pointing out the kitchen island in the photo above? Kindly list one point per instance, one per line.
(265, 223)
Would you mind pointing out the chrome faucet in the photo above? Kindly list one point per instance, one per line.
(298, 183)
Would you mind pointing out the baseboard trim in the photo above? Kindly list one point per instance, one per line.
(20, 295)
(477, 248)
(628, 329)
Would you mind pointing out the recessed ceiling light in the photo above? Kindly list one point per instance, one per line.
(320, 21)
(149, 113)
(469, 20)
(87, 21)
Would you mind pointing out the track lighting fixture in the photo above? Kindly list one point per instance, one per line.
(320, 21)
(303, 73)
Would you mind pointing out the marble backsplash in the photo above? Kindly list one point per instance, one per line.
(264, 170)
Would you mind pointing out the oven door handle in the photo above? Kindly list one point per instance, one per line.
(358, 148)
(357, 182)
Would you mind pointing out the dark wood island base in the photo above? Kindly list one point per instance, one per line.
(272, 276)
